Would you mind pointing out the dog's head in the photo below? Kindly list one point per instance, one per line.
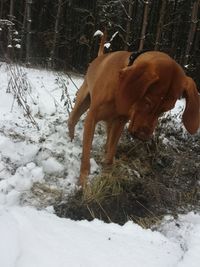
(145, 94)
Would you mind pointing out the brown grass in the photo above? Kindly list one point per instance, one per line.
(147, 181)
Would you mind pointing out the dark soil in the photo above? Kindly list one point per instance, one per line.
(147, 181)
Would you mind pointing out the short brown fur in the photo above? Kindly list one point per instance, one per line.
(117, 93)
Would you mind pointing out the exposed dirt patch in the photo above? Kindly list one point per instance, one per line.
(147, 181)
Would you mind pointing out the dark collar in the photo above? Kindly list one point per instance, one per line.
(134, 55)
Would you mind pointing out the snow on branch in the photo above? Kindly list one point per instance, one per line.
(98, 33)
(6, 22)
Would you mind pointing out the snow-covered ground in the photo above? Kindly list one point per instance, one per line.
(38, 166)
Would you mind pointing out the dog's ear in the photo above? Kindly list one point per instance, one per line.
(191, 115)
(133, 84)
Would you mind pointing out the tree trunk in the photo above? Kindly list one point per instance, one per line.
(144, 25)
(193, 26)
(173, 30)
(56, 30)
(128, 25)
(11, 12)
(10, 30)
(28, 35)
(197, 38)
(23, 32)
(1, 11)
(160, 24)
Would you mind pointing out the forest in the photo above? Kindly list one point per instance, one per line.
(60, 34)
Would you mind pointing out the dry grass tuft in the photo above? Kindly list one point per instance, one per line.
(147, 181)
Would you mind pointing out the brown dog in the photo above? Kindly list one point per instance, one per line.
(117, 93)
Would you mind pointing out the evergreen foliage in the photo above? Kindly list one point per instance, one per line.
(60, 33)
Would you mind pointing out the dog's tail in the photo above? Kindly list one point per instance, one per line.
(101, 46)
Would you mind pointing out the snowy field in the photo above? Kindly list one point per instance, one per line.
(38, 166)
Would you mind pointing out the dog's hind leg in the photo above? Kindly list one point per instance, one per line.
(81, 105)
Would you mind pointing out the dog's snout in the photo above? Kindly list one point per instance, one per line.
(142, 133)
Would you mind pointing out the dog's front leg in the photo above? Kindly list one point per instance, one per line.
(89, 128)
(114, 132)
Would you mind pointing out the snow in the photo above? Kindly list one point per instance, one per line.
(51, 165)
(31, 234)
(114, 35)
(38, 238)
(107, 45)
(19, 152)
(98, 33)
(18, 46)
